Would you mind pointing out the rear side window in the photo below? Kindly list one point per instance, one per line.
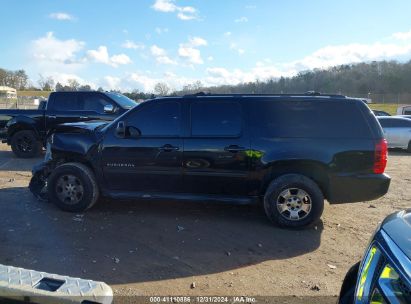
(215, 119)
(395, 123)
(386, 123)
(67, 102)
(315, 119)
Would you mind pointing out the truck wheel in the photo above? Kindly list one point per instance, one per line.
(72, 187)
(25, 144)
(293, 200)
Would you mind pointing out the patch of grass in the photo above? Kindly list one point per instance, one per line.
(389, 108)
(34, 93)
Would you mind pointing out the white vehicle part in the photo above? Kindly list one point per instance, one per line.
(30, 286)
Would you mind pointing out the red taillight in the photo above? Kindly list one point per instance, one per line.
(381, 156)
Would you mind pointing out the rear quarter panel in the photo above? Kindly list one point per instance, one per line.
(319, 159)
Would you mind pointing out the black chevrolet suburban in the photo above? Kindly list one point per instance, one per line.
(289, 151)
(26, 130)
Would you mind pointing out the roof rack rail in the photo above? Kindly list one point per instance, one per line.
(308, 93)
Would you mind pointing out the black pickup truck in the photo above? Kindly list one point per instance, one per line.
(26, 130)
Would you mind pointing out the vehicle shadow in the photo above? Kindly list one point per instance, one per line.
(10, 162)
(140, 241)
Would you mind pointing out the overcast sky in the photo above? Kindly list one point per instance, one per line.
(129, 44)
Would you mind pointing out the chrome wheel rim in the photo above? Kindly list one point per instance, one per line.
(294, 204)
(69, 189)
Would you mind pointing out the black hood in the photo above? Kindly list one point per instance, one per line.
(80, 127)
(80, 138)
(398, 227)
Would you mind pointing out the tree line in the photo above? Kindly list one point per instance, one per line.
(377, 77)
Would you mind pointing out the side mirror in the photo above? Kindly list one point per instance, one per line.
(121, 129)
(108, 108)
(134, 132)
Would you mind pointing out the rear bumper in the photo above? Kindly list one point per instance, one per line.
(357, 188)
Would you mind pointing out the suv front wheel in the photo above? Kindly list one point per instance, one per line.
(72, 187)
(293, 200)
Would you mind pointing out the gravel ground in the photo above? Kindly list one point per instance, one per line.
(174, 248)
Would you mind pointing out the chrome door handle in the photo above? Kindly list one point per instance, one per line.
(234, 148)
(169, 148)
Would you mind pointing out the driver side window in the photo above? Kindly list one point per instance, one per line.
(157, 120)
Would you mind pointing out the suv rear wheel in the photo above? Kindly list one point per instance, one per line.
(73, 187)
(293, 200)
(25, 144)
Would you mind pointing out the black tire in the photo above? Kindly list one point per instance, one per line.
(409, 147)
(25, 144)
(347, 291)
(65, 184)
(313, 199)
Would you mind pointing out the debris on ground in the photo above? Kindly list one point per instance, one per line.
(180, 228)
(193, 285)
(228, 253)
(116, 260)
(332, 266)
(315, 287)
(372, 206)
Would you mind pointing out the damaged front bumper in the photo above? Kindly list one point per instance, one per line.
(38, 182)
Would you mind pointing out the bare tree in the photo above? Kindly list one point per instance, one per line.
(73, 84)
(59, 87)
(162, 89)
(21, 79)
(46, 83)
(85, 87)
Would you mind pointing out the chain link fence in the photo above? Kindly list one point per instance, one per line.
(398, 99)
(21, 102)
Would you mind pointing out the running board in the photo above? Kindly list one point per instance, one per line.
(222, 199)
(19, 285)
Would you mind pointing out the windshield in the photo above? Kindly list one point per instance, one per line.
(122, 100)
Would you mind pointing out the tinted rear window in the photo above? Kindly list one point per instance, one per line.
(315, 119)
(395, 123)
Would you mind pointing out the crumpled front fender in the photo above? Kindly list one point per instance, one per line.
(38, 182)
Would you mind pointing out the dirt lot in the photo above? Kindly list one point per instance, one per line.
(152, 248)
